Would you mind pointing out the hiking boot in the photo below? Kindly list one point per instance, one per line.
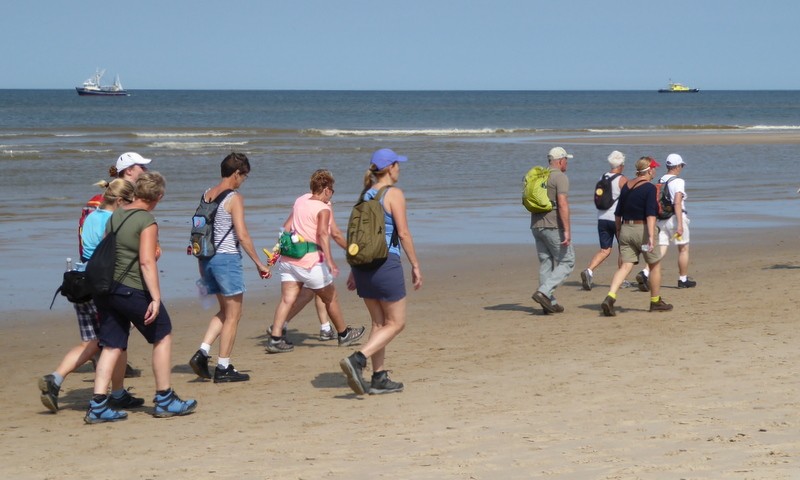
(352, 369)
(131, 372)
(101, 412)
(199, 364)
(557, 308)
(125, 401)
(587, 280)
(544, 301)
(50, 391)
(608, 306)
(381, 384)
(643, 281)
(329, 335)
(229, 375)
(352, 335)
(279, 346)
(687, 284)
(170, 405)
(660, 306)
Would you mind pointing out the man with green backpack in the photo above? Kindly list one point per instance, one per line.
(551, 229)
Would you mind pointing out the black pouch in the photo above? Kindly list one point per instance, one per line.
(75, 287)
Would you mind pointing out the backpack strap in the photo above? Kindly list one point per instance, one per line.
(393, 240)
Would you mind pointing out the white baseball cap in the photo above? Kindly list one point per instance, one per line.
(673, 160)
(129, 159)
(558, 152)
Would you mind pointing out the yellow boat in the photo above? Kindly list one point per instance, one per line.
(678, 88)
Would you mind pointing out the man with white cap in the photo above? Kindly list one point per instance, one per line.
(606, 224)
(675, 229)
(129, 166)
(553, 235)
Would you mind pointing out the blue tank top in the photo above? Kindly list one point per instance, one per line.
(388, 219)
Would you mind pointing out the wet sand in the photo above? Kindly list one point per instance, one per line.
(493, 388)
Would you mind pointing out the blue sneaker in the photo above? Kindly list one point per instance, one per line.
(102, 412)
(170, 405)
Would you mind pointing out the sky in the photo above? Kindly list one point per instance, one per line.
(402, 45)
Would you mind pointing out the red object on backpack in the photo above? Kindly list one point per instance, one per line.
(90, 207)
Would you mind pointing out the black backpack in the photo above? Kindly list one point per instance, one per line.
(100, 268)
(366, 234)
(603, 193)
(202, 237)
(666, 208)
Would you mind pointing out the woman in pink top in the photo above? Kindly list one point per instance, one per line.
(312, 218)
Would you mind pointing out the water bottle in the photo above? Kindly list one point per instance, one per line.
(69, 264)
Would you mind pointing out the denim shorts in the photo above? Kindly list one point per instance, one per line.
(126, 306)
(606, 231)
(223, 274)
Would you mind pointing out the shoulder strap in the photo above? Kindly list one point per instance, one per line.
(612, 177)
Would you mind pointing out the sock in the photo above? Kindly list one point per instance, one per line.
(589, 271)
(163, 393)
(683, 278)
(325, 327)
(344, 333)
(206, 349)
(57, 379)
(612, 295)
(274, 338)
(222, 363)
(655, 299)
(646, 272)
(97, 398)
(117, 394)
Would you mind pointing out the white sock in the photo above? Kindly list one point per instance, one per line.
(222, 363)
(589, 271)
(205, 348)
(646, 272)
(683, 278)
(325, 327)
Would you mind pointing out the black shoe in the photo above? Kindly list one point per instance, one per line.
(687, 284)
(643, 281)
(125, 401)
(199, 364)
(381, 384)
(50, 391)
(608, 306)
(353, 368)
(544, 301)
(229, 375)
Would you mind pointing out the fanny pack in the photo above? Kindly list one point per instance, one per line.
(295, 249)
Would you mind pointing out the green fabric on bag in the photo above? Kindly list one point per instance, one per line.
(295, 250)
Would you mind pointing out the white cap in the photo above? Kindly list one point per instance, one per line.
(673, 160)
(129, 159)
(558, 152)
(616, 159)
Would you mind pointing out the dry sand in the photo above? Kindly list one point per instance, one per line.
(494, 388)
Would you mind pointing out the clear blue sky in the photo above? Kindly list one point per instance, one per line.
(405, 44)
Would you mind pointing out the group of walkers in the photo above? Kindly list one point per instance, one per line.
(135, 299)
(633, 219)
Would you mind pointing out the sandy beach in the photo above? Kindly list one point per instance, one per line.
(494, 388)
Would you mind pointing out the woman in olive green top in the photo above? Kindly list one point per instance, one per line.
(136, 300)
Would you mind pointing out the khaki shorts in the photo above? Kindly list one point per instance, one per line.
(631, 239)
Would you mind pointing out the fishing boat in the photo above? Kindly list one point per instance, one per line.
(677, 88)
(92, 86)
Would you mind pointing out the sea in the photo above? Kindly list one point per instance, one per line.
(468, 152)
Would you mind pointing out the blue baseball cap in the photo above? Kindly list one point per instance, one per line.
(384, 157)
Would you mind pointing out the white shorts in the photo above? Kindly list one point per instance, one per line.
(667, 231)
(317, 278)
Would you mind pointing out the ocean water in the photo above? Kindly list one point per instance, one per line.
(468, 152)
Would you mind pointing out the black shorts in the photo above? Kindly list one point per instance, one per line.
(384, 283)
(124, 307)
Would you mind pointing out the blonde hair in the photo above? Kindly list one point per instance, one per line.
(642, 166)
(150, 186)
(115, 190)
(372, 176)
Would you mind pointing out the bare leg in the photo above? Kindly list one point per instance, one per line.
(599, 258)
(388, 320)
(162, 356)
(215, 325)
(683, 260)
(230, 324)
(322, 313)
(109, 357)
(289, 294)
(619, 277)
(77, 356)
(655, 278)
(331, 301)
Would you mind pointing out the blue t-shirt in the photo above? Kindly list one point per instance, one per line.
(94, 229)
(637, 204)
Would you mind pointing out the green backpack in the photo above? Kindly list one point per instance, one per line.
(366, 234)
(534, 192)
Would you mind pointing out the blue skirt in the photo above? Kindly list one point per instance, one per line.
(385, 283)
